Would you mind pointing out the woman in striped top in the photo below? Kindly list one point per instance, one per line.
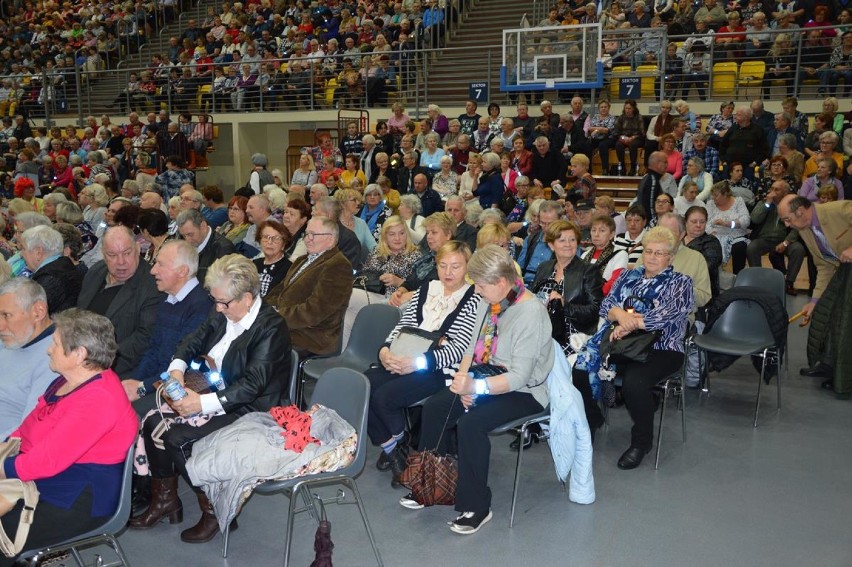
(448, 306)
(630, 241)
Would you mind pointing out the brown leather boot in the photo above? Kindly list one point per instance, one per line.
(164, 502)
(206, 528)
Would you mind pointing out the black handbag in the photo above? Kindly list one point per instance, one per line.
(485, 370)
(369, 281)
(635, 347)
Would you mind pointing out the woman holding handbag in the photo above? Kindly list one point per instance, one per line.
(446, 309)
(651, 298)
(512, 354)
(74, 443)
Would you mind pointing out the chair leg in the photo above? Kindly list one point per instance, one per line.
(660, 429)
(225, 541)
(781, 361)
(291, 518)
(354, 488)
(522, 435)
(682, 403)
(759, 384)
(113, 543)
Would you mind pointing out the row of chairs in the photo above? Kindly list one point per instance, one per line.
(728, 78)
(340, 384)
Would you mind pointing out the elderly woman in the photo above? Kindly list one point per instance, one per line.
(130, 190)
(430, 157)
(570, 282)
(409, 211)
(777, 171)
(306, 174)
(728, 220)
(94, 201)
(695, 173)
(787, 145)
(237, 225)
(351, 171)
(674, 165)
(603, 255)
(687, 198)
(826, 174)
(446, 181)
(49, 204)
(375, 211)
(585, 186)
(25, 189)
(390, 195)
(76, 462)
(696, 237)
(508, 174)
(350, 202)
(247, 345)
(652, 297)
(719, 124)
(439, 227)
(628, 135)
(514, 339)
(468, 180)
(489, 186)
(448, 306)
(601, 127)
(828, 144)
(521, 157)
(659, 126)
(740, 185)
(272, 266)
(297, 213)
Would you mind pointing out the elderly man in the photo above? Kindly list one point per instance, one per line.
(191, 199)
(548, 165)
(699, 148)
(187, 305)
(408, 172)
(824, 228)
(314, 294)
(687, 261)
(347, 242)
(464, 232)
(745, 142)
(769, 236)
(151, 200)
(650, 187)
(782, 125)
(123, 291)
(368, 158)
(318, 191)
(42, 249)
(26, 332)
(711, 13)
(193, 227)
(430, 200)
(257, 211)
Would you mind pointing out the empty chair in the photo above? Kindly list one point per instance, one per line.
(743, 330)
(724, 79)
(348, 393)
(104, 535)
(369, 331)
(766, 278)
(751, 74)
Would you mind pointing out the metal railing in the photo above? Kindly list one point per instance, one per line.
(437, 75)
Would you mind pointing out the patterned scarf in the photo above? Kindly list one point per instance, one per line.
(486, 344)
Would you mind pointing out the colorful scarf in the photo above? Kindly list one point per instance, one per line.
(486, 344)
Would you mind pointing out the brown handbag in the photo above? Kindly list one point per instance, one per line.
(432, 478)
(12, 490)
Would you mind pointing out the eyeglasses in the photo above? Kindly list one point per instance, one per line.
(661, 201)
(222, 304)
(657, 253)
(271, 238)
(312, 235)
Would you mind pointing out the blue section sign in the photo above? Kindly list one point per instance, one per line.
(478, 92)
(629, 87)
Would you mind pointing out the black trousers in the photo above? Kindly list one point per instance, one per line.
(795, 253)
(594, 416)
(51, 524)
(178, 441)
(474, 446)
(390, 394)
(738, 257)
(637, 389)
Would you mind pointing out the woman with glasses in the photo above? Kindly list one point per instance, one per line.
(696, 173)
(274, 238)
(252, 362)
(350, 202)
(652, 297)
(235, 228)
(696, 237)
(375, 211)
(728, 220)
(720, 123)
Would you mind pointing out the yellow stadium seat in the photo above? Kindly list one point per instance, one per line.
(647, 82)
(617, 72)
(751, 74)
(724, 79)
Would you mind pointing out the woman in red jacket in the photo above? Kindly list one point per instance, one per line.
(74, 443)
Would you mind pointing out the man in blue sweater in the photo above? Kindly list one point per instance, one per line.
(185, 308)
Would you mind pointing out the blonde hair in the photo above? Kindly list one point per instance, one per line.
(382, 248)
(18, 206)
(660, 234)
(492, 233)
(236, 273)
(344, 195)
(491, 263)
(442, 221)
(453, 247)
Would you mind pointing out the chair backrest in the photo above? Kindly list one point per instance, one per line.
(294, 375)
(743, 318)
(649, 77)
(371, 327)
(348, 393)
(724, 78)
(767, 278)
(618, 70)
(752, 70)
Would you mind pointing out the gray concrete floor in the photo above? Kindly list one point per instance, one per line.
(777, 495)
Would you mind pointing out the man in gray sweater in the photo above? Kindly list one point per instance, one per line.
(26, 332)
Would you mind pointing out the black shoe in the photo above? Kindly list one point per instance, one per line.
(469, 522)
(827, 384)
(791, 289)
(820, 370)
(141, 495)
(383, 463)
(398, 463)
(632, 458)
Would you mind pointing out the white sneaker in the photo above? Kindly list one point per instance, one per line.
(409, 502)
(469, 522)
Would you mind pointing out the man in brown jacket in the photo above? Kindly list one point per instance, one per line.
(826, 230)
(314, 294)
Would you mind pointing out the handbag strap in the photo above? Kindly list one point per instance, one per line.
(14, 489)
(446, 421)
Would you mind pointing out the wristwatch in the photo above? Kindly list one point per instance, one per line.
(141, 391)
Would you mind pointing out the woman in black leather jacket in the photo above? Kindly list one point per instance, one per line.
(567, 279)
(253, 361)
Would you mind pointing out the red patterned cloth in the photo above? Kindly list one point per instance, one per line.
(296, 425)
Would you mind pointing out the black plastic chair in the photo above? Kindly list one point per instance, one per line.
(104, 535)
(369, 331)
(742, 330)
(348, 393)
